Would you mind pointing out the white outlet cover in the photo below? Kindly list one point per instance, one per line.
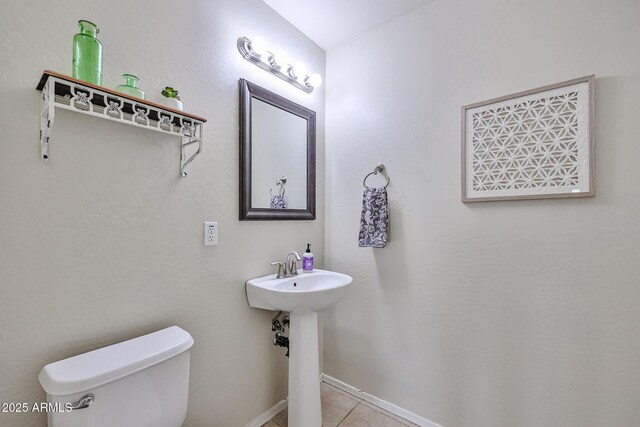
(211, 233)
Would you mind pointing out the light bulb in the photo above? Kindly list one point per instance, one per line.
(282, 59)
(314, 80)
(300, 71)
(259, 45)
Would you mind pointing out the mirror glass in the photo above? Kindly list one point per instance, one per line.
(277, 156)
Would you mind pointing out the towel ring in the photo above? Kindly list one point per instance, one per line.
(379, 168)
(281, 182)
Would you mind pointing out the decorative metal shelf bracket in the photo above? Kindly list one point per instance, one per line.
(70, 94)
(47, 114)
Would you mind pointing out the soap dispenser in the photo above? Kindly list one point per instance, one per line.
(307, 260)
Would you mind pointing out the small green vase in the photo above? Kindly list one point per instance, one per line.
(87, 54)
(129, 86)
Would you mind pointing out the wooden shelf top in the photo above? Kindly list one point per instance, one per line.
(48, 73)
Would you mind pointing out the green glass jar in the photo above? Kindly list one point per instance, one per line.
(129, 86)
(87, 54)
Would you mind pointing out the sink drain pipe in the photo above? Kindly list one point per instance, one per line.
(280, 339)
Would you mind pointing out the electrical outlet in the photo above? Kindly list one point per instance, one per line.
(211, 234)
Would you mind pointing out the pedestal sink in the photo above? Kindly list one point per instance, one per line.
(302, 296)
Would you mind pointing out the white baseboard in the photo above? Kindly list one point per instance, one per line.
(268, 414)
(390, 407)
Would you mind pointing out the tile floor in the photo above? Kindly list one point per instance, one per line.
(344, 410)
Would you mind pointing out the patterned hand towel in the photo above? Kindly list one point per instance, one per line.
(374, 220)
(278, 202)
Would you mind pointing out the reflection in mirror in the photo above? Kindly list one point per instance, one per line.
(277, 156)
(278, 149)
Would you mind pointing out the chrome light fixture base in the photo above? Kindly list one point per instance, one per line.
(244, 47)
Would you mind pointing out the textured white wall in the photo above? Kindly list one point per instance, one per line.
(104, 242)
(496, 314)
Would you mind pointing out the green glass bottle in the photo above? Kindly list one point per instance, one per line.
(129, 86)
(87, 54)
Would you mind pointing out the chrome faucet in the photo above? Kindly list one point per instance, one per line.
(289, 267)
(292, 262)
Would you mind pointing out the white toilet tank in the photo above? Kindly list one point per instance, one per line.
(142, 382)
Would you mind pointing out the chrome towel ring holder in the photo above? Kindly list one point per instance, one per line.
(378, 169)
(281, 182)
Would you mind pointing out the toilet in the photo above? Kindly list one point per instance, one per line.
(142, 382)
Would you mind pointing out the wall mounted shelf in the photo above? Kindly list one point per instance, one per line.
(71, 94)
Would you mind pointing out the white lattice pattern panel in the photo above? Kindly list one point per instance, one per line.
(532, 145)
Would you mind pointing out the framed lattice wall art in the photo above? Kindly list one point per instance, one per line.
(531, 145)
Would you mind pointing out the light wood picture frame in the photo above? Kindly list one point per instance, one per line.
(534, 144)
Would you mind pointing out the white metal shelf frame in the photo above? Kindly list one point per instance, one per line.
(86, 99)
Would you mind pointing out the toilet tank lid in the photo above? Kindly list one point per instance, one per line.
(104, 365)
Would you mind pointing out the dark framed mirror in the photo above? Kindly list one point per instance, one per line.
(277, 157)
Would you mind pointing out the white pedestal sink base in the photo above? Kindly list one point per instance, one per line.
(301, 295)
(304, 371)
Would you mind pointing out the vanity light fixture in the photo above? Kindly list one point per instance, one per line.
(277, 62)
